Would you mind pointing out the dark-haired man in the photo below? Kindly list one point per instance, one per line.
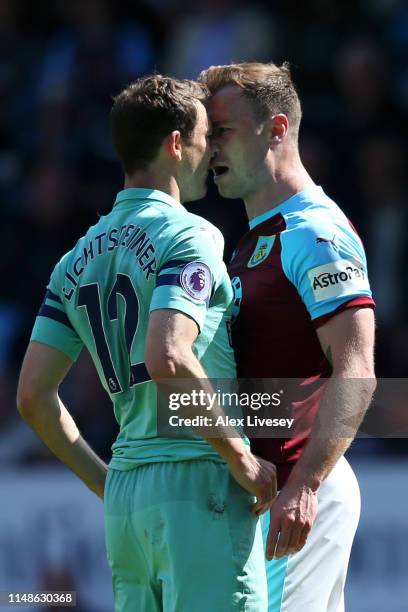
(146, 291)
(303, 311)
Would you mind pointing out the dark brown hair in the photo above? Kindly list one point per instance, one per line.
(147, 111)
(270, 87)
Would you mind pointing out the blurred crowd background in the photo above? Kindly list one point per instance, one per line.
(60, 64)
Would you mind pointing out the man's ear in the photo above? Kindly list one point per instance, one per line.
(173, 146)
(278, 128)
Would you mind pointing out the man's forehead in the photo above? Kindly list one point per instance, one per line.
(226, 104)
(202, 114)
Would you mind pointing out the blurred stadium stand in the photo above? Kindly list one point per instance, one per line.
(60, 64)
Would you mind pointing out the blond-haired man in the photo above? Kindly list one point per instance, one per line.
(304, 310)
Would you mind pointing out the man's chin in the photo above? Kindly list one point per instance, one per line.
(227, 192)
(226, 188)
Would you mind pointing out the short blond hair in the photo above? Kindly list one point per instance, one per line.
(269, 86)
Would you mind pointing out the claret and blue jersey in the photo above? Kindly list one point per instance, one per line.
(300, 264)
(148, 253)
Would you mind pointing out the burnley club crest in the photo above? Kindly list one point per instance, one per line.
(261, 251)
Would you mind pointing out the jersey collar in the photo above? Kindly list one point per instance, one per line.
(295, 202)
(134, 195)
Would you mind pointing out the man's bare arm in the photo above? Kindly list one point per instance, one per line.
(169, 354)
(38, 402)
(348, 341)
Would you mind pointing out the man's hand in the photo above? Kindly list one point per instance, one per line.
(292, 516)
(256, 476)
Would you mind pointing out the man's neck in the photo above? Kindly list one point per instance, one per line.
(281, 184)
(148, 180)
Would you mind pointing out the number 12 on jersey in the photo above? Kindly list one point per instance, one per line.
(89, 297)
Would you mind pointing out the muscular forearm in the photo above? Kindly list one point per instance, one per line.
(185, 374)
(49, 418)
(172, 364)
(340, 414)
(347, 340)
(179, 371)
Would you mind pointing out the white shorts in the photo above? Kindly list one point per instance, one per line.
(312, 580)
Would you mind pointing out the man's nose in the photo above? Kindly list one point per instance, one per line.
(214, 147)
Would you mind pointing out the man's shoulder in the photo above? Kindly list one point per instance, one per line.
(193, 220)
(318, 221)
(197, 228)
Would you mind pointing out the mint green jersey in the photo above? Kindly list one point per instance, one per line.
(147, 253)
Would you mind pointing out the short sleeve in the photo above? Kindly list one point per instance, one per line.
(327, 265)
(190, 272)
(52, 325)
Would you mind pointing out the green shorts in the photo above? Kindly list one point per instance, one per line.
(181, 538)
